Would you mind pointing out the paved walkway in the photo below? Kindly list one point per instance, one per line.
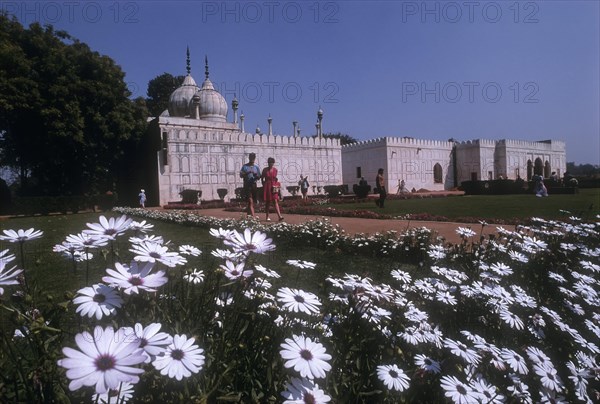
(353, 225)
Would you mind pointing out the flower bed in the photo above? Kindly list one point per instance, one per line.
(512, 318)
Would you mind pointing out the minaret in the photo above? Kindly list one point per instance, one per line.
(298, 129)
(206, 67)
(242, 122)
(234, 106)
(270, 121)
(187, 61)
(320, 122)
(196, 104)
(295, 123)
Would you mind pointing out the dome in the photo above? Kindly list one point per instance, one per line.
(180, 98)
(212, 105)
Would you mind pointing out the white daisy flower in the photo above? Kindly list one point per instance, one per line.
(248, 242)
(180, 359)
(501, 269)
(461, 350)
(517, 256)
(305, 356)
(427, 364)
(446, 298)
(393, 377)
(457, 391)
(5, 257)
(514, 360)
(189, 250)
(97, 301)
(151, 252)
(302, 264)
(488, 393)
(121, 394)
(141, 226)
(149, 339)
(519, 390)
(222, 234)
(8, 276)
(228, 255)
(104, 360)
(401, 276)
(150, 238)
(236, 271)
(536, 355)
(548, 376)
(134, 278)
(465, 232)
(511, 319)
(85, 240)
(194, 277)
(297, 300)
(301, 391)
(534, 243)
(21, 235)
(110, 228)
(267, 272)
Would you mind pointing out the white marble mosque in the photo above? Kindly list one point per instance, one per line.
(197, 147)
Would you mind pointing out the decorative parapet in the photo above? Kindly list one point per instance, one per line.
(478, 142)
(221, 135)
(398, 141)
(557, 145)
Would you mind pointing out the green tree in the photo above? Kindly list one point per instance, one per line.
(159, 91)
(65, 116)
(583, 169)
(343, 138)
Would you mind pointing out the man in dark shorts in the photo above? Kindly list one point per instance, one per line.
(250, 173)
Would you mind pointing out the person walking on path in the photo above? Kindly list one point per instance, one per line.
(142, 196)
(380, 188)
(271, 188)
(250, 173)
(304, 186)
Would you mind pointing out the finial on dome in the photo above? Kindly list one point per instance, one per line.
(187, 61)
(206, 66)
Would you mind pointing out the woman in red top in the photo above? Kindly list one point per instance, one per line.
(269, 180)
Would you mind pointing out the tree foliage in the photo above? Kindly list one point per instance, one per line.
(65, 116)
(583, 169)
(159, 91)
(343, 138)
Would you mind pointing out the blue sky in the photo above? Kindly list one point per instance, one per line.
(427, 69)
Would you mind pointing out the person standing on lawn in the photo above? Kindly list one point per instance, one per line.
(380, 188)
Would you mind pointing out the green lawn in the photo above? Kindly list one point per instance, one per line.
(55, 273)
(584, 204)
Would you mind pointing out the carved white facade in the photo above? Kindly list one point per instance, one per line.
(195, 147)
(206, 156)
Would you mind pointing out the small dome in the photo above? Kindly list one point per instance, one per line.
(180, 98)
(213, 106)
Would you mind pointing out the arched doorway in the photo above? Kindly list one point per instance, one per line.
(547, 170)
(529, 170)
(438, 178)
(538, 168)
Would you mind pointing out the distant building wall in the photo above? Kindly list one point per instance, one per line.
(420, 163)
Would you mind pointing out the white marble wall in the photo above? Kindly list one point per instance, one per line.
(206, 156)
